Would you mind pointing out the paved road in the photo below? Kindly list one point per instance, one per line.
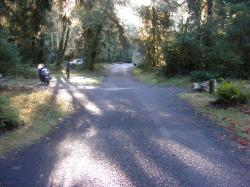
(126, 133)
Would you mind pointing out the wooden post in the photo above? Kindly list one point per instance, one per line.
(212, 85)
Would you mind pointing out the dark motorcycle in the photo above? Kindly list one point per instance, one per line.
(43, 74)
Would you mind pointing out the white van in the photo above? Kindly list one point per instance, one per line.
(137, 58)
(77, 61)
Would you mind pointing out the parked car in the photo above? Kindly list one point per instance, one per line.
(137, 58)
(78, 61)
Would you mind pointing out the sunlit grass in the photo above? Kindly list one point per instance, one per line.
(232, 118)
(84, 77)
(152, 78)
(18, 81)
(40, 112)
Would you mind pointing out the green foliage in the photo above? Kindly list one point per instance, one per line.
(52, 67)
(102, 35)
(201, 76)
(237, 33)
(183, 53)
(156, 20)
(214, 38)
(232, 94)
(223, 58)
(24, 71)
(9, 56)
(26, 23)
(9, 118)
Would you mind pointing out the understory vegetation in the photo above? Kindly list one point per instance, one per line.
(154, 78)
(9, 118)
(230, 94)
(234, 118)
(37, 113)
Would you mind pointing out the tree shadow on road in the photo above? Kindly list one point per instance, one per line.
(109, 143)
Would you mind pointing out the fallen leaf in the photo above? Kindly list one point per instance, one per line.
(247, 130)
(233, 138)
(243, 142)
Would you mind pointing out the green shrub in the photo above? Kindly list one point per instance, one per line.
(24, 71)
(52, 67)
(9, 118)
(231, 94)
(201, 76)
(9, 56)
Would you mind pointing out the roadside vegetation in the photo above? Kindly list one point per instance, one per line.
(151, 77)
(228, 107)
(35, 114)
(211, 42)
(26, 116)
(53, 32)
(235, 118)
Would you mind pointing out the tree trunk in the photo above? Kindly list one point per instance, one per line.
(65, 45)
(154, 25)
(61, 44)
(93, 53)
(208, 34)
(113, 54)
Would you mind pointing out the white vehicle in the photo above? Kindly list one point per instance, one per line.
(77, 61)
(137, 58)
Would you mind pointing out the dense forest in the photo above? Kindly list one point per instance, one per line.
(50, 32)
(212, 38)
(176, 37)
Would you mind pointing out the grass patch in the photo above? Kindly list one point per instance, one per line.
(19, 81)
(9, 118)
(84, 77)
(232, 118)
(40, 112)
(153, 78)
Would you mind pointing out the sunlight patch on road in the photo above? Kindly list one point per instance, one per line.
(64, 95)
(63, 80)
(120, 68)
(118, 88)
(92, 107)
(91, 132)
(79, 165)
(84, 100)
(146, 163)
(109, 105)
(212, 170)
(164, 114)
(84, 80)
(68, 95)
(86, 87)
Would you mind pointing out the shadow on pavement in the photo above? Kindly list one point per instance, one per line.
(115, 141)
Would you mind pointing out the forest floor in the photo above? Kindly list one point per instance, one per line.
(236, 119)
(127, 133)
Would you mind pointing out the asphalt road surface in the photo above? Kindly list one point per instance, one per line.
(126, 133)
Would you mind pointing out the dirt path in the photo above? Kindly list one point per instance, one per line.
(126, 133)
